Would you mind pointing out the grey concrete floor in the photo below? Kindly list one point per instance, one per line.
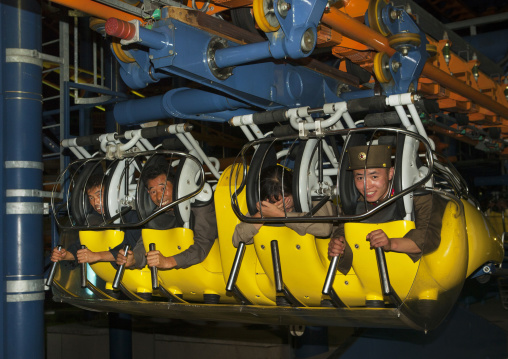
(69, 328)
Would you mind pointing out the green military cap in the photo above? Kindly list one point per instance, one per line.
(378, 156)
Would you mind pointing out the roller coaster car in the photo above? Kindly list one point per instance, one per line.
(119, 189)
(202, 282)
(423, 290)
(288, 278)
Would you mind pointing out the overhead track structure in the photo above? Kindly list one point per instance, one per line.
(293, 33)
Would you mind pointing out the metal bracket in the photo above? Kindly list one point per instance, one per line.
(302, 132)
(29, 56)
(93, 100)
(31, 193)
(136, 38)
(215, 44)
(24, 164)
(26, 208)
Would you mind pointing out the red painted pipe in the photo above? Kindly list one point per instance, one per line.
(119, 28)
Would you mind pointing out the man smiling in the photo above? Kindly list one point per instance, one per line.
(372, 176)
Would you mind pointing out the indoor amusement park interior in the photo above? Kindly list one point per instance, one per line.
(254, 179)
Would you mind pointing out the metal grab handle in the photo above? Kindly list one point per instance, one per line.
(330, 275)
(49, 281)
(155, 279)
(120, 270)
(277, 271)
(83, 271)
(383, 271)
(237, 262)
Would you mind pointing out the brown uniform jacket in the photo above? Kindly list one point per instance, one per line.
(244, 232)
(428, 211)
(205, 233)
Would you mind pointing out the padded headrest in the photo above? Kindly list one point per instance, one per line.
(185, 184)
(79, 204)
(144, 204)
(297, 153)
(264, 156)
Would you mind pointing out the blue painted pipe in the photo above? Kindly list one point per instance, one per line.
(152, 39)
(352, 95)
(242, 54)
(179, 103)
(137, 78)
(2, 195)
(22, 254)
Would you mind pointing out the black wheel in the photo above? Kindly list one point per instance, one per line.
(242, 17)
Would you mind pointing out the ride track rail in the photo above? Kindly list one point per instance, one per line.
(253, 314)
(337, 19)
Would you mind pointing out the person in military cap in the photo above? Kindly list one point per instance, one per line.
(372, 176)
(372, 171)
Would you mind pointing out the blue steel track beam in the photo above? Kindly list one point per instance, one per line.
(180, 103)
(237, 55)
(265, 85)
(297, 35)
(23, 303)
(405, 65)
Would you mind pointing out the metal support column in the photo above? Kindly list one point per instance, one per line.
(64, 78)
(22, 277)
(2, 193)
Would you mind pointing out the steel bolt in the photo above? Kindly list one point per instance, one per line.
(357, 246)
(298, 246)
(307, 43)
(283, 8)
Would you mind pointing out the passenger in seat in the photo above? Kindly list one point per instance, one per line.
(275, 181)
(159, 184)
(372, 175)
(95, 194)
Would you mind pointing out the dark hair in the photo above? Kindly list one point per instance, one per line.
(271, 184)
(95, 180)
(155, 168)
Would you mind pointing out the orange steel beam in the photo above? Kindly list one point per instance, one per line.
(357, 31)
(97, 9)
